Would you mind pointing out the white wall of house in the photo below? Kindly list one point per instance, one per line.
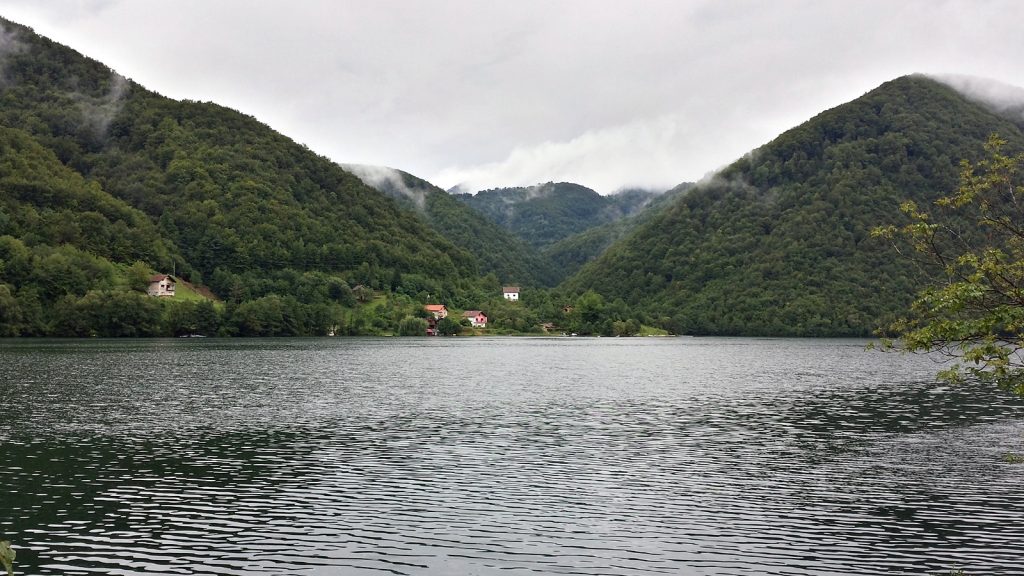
(163, 287)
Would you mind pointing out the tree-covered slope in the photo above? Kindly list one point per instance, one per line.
(67, 248)
(571, 253)
(45, 202)
(547, 213)
(251, 212)
(498, 251)
(779, 243)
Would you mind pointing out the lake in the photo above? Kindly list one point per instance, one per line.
(508, 456)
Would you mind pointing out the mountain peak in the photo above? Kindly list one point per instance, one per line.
(779, 243)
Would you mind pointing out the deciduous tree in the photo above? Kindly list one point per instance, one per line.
(970, 246)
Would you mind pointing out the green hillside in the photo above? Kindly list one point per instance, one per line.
(126, 175)
(498, 251)
(778, 243)
(544, 214)
(63, 239)
(45, 202)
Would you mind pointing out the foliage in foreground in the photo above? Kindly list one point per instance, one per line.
(7, 555)
(971, 243)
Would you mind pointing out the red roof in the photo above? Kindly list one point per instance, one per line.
(508, 289)
(435, 307)
(159, 277)
(472, 313)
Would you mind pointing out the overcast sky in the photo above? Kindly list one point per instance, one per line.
(608, 94)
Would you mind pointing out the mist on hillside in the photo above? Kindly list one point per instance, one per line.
(1001, 97)
(388, 181)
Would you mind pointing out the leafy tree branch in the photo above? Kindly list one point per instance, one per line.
(971, 244)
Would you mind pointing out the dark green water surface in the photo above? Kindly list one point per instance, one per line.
(501, 456)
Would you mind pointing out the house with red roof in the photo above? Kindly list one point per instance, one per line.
(438, 310)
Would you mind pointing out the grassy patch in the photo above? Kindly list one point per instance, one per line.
(646, 330)
(186, 291)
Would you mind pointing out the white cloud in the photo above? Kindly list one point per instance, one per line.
(640, 153)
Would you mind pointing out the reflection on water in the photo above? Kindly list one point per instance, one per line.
(501, 456)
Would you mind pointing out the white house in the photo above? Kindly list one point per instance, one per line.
(477, 318)
(510, 293)
(161, 285)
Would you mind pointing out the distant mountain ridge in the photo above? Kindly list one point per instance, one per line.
(505, 227)
(546, 213)
(499, 251)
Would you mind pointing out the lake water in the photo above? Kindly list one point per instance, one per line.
(502, 456)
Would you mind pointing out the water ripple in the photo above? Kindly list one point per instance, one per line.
(553, 456)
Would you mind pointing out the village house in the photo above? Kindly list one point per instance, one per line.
(438, 310)
(477, 318)
(161, 285)
(510, 293)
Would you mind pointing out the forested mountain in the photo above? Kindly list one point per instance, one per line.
(498, 251)
(546, 213)
(96, 163)
(779, 243)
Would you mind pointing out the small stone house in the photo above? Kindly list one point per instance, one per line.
(161, 285)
